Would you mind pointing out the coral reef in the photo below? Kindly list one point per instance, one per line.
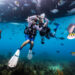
(26, 67)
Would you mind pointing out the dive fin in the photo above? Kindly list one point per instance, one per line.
(30, 55)
(14, 60)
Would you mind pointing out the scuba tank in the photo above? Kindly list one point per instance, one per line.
(44, 30)
(26, 31)
(30, 31)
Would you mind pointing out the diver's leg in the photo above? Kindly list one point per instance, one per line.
(48, 33)
(42, 39)
(14, 60)
(31, 45)
(54, 34)
(26, 42)
(56, 28)
(30, 51)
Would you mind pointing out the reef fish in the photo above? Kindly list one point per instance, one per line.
(62, 38)
(55, 11)
(58, 51)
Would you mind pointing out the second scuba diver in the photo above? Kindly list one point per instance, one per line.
(46, 31)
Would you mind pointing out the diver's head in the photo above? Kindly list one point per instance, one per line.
(42, 16)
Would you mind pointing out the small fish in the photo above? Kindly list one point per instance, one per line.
(10, 38)
(61, 2)
(62, 38)
(15, 8)
(58, 51)
(2, 3)
(62, 33)
(2, 14)
(16, 3)
(34, 1)
(72, 53)
(71, 11)
(62, 44)
(51, 21)
(11, 5)
(56, 24)
(55, 11)
(73, 3)
(20, 29)
(33, 11)
(26, 5)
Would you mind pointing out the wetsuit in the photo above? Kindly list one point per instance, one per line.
(31, 30)
(46, 31)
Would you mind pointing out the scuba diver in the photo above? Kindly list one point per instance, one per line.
(30, 34)
(46, 31)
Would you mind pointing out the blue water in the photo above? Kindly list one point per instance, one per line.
(13, 36)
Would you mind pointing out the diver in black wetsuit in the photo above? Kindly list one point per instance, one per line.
(46, 31)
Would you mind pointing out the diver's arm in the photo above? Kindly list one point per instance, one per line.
(30, 18)
(30, 23)
(46, 23)
(38, 28)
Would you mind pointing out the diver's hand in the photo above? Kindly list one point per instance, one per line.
(45, 24)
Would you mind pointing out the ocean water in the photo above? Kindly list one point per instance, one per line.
(57, 50)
